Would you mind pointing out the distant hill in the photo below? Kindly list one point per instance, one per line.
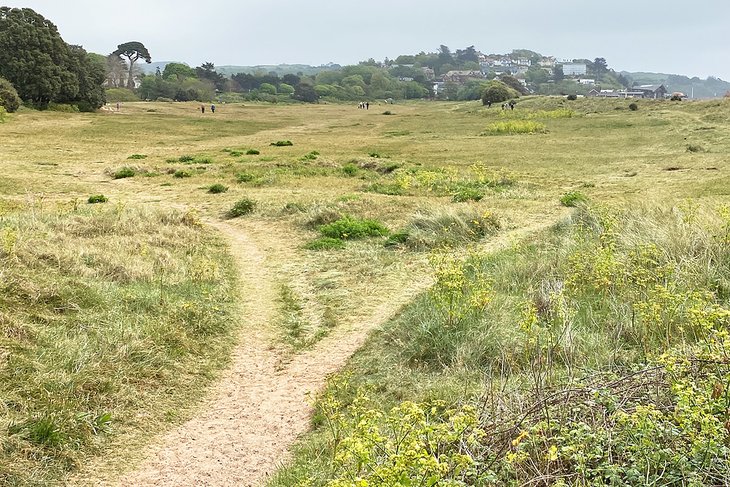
(699, 88)
(280, 69)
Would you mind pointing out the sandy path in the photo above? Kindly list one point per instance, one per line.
(260, 407)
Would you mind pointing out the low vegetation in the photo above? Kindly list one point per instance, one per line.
(105, 312)
(605, 361)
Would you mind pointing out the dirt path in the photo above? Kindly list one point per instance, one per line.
(260, 407)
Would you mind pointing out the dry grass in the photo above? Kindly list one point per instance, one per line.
(55, 160)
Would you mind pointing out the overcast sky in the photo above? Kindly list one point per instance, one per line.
(688, 37)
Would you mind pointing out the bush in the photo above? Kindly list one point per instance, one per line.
(137, 156)
(117, 95)
(572, 97)
(573, 199)
(467, 194)
(350, 169)
(353, 228)
(325, 243)
(498, 92)
(97, 198)
(9, 98)
(186, 159)
(676, 97)
(241, 207)
(282, 143)
(633, 107)
(388, 112)
(437, 229)
(217, 189)
(695, 148)
(512, 127)
(252, 152)
(398, 238)
(2, 114)
(125, 172)
(181, 173)
(245, 177)
(63, 108)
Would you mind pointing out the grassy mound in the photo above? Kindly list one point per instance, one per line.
(111, 319)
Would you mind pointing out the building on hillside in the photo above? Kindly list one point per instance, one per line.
(586, 81)
(598, 93)
(652, 91)
(430, 73)
(574, 69)
(461, 77)
(547, 62)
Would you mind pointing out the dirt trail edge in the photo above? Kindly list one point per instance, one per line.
(259, 408)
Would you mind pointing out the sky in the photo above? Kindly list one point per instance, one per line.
(689, 37)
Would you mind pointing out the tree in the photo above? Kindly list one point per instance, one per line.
(178, 70)
(600, 67)
(558, 74)
(133, 51)
(32, 55)
(305, 91)
(42, 67)
(536, 75)
(207, 71)
(9, 98)
(498, 92)
(513, 83)
(467, 55)
(116, 71)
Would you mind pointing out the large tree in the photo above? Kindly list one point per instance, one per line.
(133, 51)
(41, 66)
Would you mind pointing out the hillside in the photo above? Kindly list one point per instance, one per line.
(709, 88)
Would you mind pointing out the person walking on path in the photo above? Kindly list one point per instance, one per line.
(202, 109)
(212, 108)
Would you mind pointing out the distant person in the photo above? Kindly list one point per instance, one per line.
(202, 108)
(512, 105)
(212, 108)
(118, 105)
(367, 105)
(489, 104)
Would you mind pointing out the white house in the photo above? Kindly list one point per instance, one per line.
(575, 69)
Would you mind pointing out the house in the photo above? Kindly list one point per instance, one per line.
(430, 73)
(587, 81)
(461, 77)
(651, 91)
(574, 69)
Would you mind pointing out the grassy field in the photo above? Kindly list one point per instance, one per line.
(115, 316)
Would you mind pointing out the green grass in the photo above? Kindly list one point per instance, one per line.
(583, 313)
(104, 312)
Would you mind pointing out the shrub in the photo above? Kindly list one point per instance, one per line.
(62, 107)
(388, 112)
(181, 173)
(252, 152)
(512, 127)
(115, 95)
(2, 114)
(125, 172)
(573, 199)
(325, 243)
(137, 157)
(572, 97)
(185, 159)
(633, 107)
(245, 177)
(676, 97)
(97, 198)
(695, 148)
(242, 207)
(350, 169)
(353, 228)
(398, 238)
(467, 194)
(9, 98)
(217, 188)
(311, 156)
(436, 229)
(282, 143)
